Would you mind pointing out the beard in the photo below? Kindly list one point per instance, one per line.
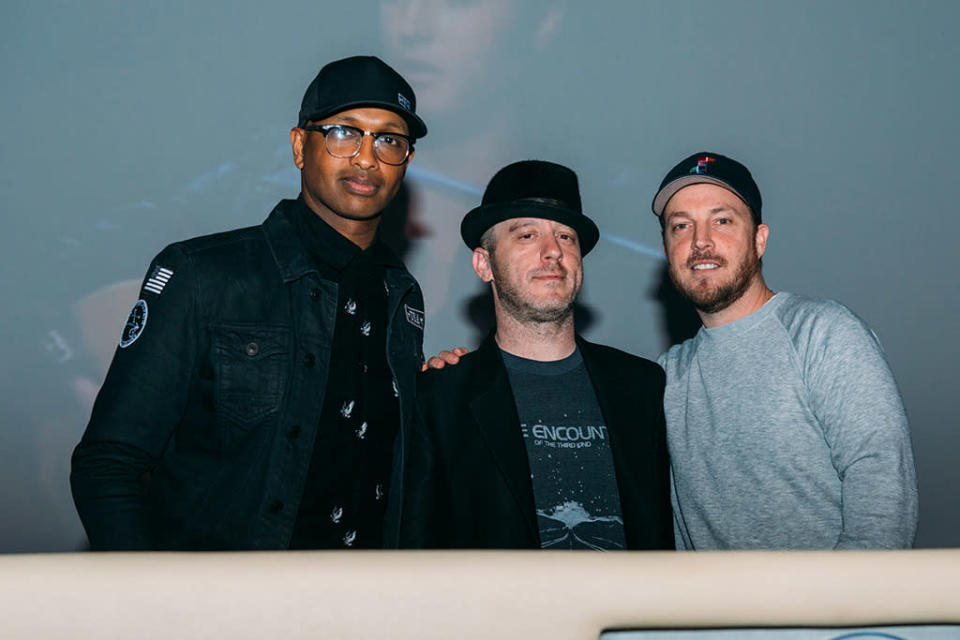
(718, 297)
(525, 308)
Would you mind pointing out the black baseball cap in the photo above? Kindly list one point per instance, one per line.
(360, 81)
(531, 189)
(710, 168)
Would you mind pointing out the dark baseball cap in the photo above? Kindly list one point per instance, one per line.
(531, 189)
(710, 168)
(360, 81)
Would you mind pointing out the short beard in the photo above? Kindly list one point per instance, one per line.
(718, 299)
(525, 312)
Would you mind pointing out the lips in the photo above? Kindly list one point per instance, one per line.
(360, 185)
(550, 276)
(420, 67)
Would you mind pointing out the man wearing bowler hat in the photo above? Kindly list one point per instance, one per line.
(538, 439)
(785, 425)
(262, 388)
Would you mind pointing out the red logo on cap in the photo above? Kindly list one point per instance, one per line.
(702, 164)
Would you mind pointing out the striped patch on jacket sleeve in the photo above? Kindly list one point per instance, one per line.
(158, 279)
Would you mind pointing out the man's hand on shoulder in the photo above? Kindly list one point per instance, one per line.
(444, 358)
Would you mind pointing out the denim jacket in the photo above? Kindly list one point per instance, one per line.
(203, 431)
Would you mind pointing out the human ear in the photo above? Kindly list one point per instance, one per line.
(763, 232)
(481, 264)
(296, 144)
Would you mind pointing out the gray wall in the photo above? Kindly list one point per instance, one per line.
(130, 125)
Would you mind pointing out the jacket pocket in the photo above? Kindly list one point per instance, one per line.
(251, 369)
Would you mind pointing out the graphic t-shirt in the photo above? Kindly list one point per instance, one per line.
(571, 464)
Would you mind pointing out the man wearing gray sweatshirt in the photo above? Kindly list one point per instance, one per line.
(785, 426)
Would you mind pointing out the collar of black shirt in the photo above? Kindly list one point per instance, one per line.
(327, 245)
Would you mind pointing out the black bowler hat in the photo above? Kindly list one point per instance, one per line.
(531, 189)
(710, 168)
(360, 81)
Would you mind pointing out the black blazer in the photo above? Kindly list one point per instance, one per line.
(468, 479)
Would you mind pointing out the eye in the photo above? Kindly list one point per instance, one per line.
(724, 221)
(680, 226)
(390, 140)
(341, 133)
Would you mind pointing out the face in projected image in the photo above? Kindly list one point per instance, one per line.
(473, 66)
(445, 48)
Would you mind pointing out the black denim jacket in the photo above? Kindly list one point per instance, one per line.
(202, 433)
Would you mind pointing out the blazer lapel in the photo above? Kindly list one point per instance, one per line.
(495, 413)
(620, 408)
(623, 411)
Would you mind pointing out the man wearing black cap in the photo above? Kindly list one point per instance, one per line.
(538, 439)
(260, 393)
(785, 426)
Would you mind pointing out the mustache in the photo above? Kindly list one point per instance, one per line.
(558, 270)
(696, 256)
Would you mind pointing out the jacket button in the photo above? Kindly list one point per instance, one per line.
(315, 294)
(308, 360)
(294, 432)
(276, 506)
(252, 349)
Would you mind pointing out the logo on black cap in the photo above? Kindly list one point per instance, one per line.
(702, 164)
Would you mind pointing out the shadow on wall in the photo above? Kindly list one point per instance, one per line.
(678, 319)
(396, 228)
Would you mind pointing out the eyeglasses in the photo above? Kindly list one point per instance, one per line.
(344, 141)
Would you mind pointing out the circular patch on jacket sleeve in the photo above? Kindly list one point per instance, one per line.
(136, 322)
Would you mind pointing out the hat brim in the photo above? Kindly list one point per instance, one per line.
(670, 189)
(417, 127)
(481, 218)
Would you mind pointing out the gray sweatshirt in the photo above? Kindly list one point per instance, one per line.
(786, 431)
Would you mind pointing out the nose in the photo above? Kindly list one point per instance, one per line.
(407, 19)
(550, 248)
(701, 237)
(366, 157)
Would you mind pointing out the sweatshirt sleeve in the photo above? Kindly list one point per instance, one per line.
(856, 400)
